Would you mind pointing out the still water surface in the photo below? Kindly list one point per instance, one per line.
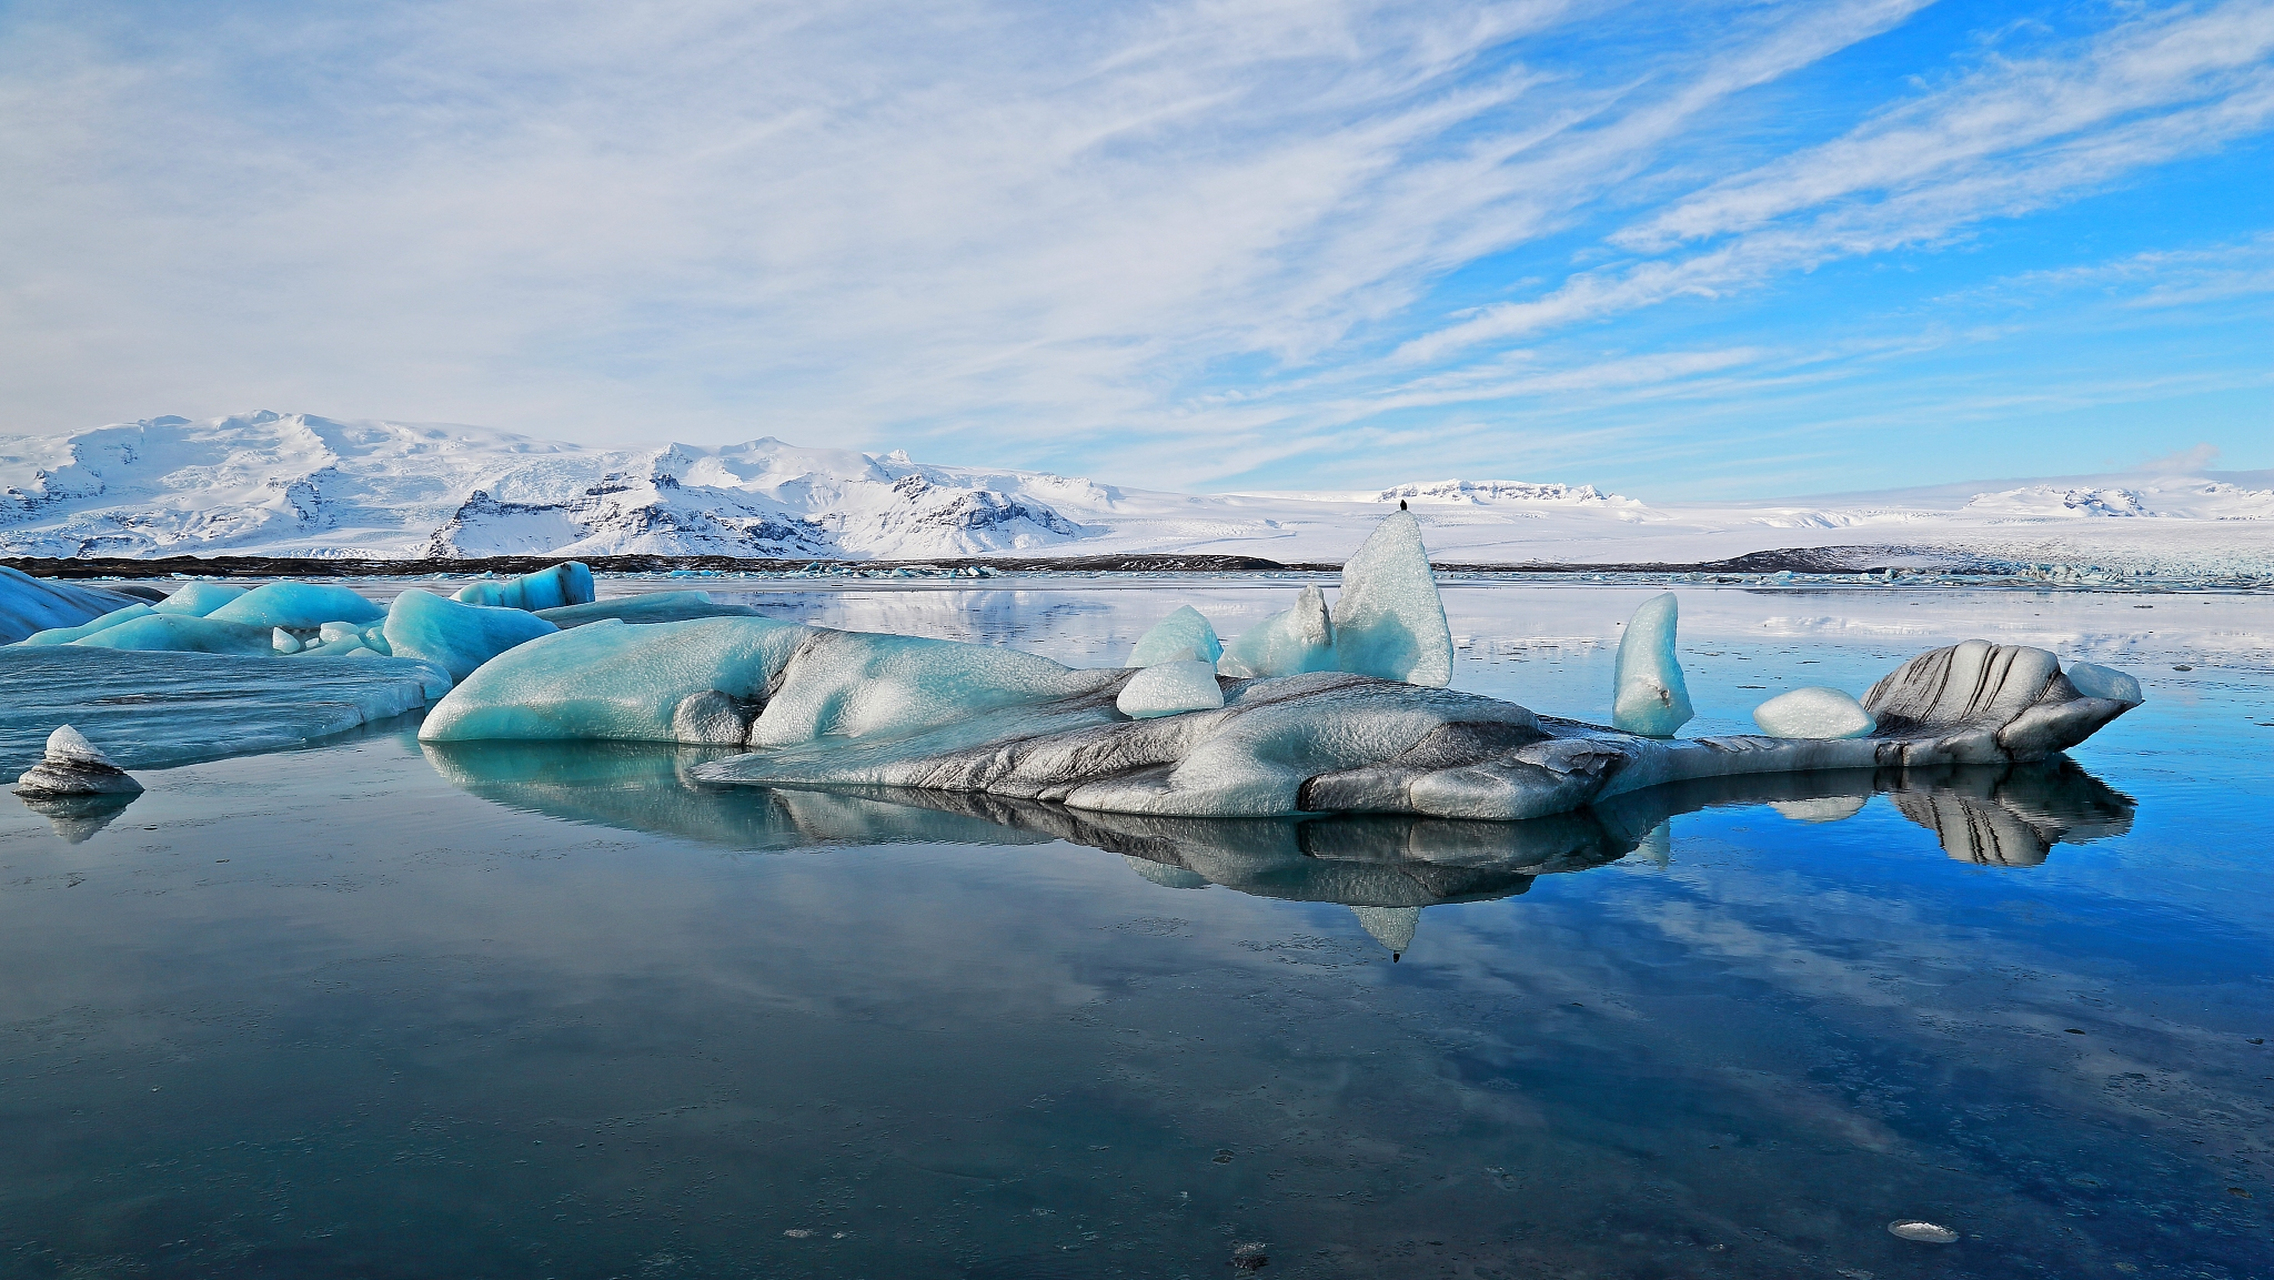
(369, 1009)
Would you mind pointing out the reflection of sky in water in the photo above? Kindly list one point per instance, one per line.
(356, 1010)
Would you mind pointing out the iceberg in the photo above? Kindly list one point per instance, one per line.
(197, 599)
(65, 635)
(1183, 636)
(1170, 688)
(296, 606)
(284, 641)
(1814, 712)
(1647, 693)
(1388, 619)
(180, 633)
(74, 766)
(456, 637)
(1287, 643)
(1333, 742)
(29, 604)
(563, 584)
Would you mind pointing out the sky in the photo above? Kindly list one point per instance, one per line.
(1676, 249)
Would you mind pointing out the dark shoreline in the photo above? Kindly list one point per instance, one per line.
(1794, 560)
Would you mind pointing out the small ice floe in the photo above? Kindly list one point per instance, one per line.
(75, 767)
(1825, 714)
(2103, 682)
(1922, 1231)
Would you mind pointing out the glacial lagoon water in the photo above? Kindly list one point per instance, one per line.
(368, 1009)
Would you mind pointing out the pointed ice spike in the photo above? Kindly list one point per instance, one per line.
(1647, 693)
(1389, 621)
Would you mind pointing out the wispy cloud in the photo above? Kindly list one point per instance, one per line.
(1176, 242)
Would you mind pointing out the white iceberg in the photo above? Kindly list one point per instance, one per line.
(559, 586)
(1648, 695)
(1388, 619)
(1814, 712)
(456, 637)
(1287, 643)
(1170, 688)
(1183, 636)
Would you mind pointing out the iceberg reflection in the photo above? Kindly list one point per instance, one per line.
(1994, 815)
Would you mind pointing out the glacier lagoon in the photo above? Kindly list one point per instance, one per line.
(559, 1010)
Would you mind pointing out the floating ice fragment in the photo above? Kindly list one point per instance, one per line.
(331, 631)
(284, 641)
(456, 637)
(1288, 643)
(65, 635)
(181, 633)
(74, 766)
(1183, 636)
(1647, 693)
(2102, 682)
(298, 606)
(197, 599)
(563, 584)
(1170, 688)
(1388, 620)
(1923, 1232)
(1814, 712)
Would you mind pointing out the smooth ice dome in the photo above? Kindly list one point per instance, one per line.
(1183, 636)
(198, 599)
(74, 766)
(297, 606)
(1287, 643)
(1170, 688)
(1647, 693)
(1388, 620)
(2103, 682)
(1814, 712)
(554, 588)
(456, 637)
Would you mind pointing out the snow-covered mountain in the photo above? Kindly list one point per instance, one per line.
(300, 485)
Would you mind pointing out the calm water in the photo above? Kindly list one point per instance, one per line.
(370, 1010)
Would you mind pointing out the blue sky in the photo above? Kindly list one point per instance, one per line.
(1675, 249)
